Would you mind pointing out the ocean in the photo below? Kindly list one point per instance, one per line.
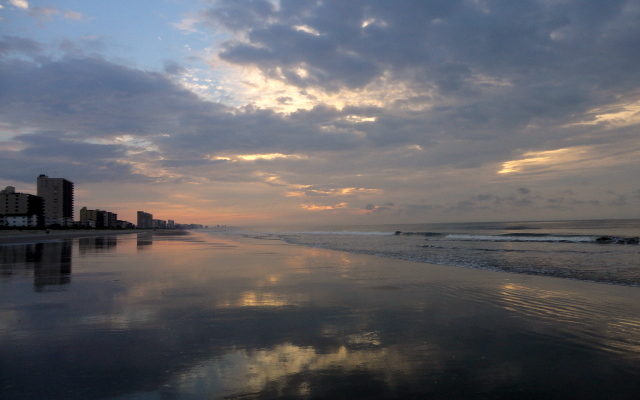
(604, 251)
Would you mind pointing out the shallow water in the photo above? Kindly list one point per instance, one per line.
(142, 317)
(584, 250)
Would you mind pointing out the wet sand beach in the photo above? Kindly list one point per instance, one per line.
(22, 236)
(204, 316)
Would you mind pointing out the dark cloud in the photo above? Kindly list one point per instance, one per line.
(523, 190)
(240, 15)
(9, 44)
(502, 66)
(378, 208)
(53, 153)
(173, 68)
(439, 42)
(189, 162)
(494, 204)
(90, 96)
(54, 145)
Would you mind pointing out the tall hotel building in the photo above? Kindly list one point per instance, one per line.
(145, 220)
(57, 194)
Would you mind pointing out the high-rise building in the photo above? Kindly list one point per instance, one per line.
(57, 194)
(21, 208)
(112, 220)
(145, 220)
(91, 218)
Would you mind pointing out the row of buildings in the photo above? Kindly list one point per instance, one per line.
(146, 221)
(53, 207)
(101, 219)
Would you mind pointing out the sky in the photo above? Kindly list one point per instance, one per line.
(257, 112)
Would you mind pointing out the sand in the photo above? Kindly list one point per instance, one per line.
(23, 236)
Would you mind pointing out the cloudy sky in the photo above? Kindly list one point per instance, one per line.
(292, 111)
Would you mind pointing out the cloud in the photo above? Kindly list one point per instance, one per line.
(46, 13)
(457, 46)
(240, 15)
(24, 4)
(16, 44)
(75, 15)
(327, 191)
(50, 152)
(319, 207)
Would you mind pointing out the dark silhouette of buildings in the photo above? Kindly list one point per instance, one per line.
(98, 218)
(50, 263)
(20, 209)
(57, 194)
(145, 220)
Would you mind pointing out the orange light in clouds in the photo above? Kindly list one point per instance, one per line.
(347, 191)
(254, 157)
(317, 207)
(541, 159)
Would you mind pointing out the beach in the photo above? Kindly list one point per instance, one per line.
(220, 316)
(28, 235)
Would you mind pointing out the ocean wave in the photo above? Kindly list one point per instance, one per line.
(523, 238)
(599, 276)
(419, 233)
(543, 237)
(349, 233)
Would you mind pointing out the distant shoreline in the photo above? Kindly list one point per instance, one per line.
(11, 236)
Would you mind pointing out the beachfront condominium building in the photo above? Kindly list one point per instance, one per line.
(92, 218)
(98, 218)
(20, 209)
(112, 220)
(57, 194)
(145, 220)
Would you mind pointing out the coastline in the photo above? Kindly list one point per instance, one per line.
(15, 237)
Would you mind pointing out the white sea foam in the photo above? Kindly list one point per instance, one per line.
(352, 233)
(523, 238)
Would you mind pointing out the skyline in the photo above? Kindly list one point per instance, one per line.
(259, 112)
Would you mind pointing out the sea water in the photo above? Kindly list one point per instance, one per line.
(598, 250)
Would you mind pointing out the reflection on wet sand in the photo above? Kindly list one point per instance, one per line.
(616, 331)
(96, 244)
(49, 262)
(286, 368)
(250, 319)
(144, 239)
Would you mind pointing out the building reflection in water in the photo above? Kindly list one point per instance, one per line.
(144, 239)
(54, 265)
(97, 244)
(50, 262)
